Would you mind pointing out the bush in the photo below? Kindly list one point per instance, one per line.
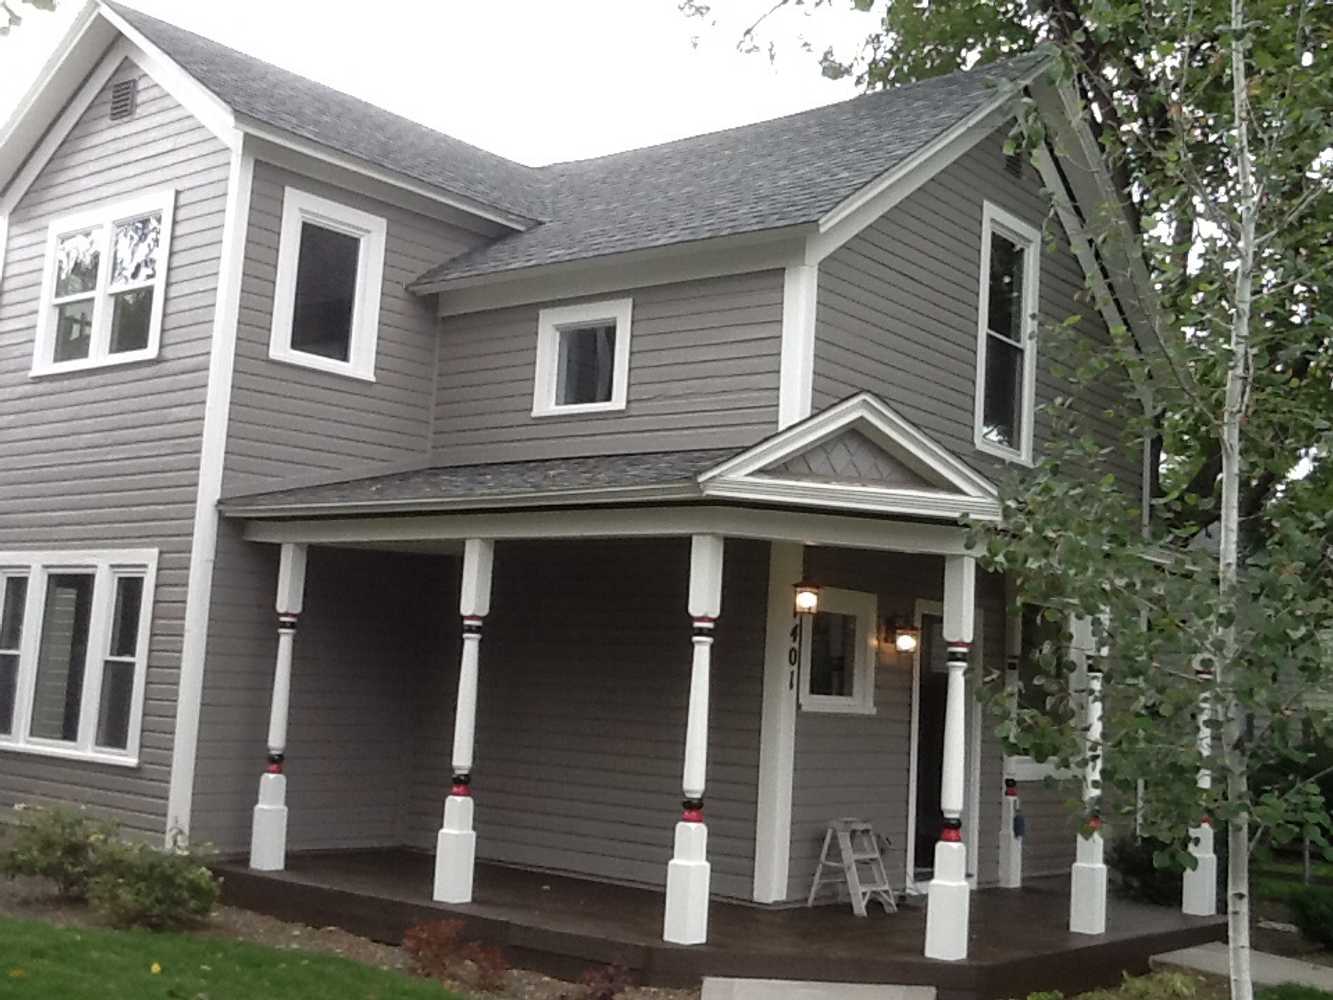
(139, 886)
(1135, 875)
(63, 845)
(1311, 909)
(437, 951)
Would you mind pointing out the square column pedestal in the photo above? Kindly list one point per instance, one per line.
(948, 903)
(268, 828)
(688, 877)
(1087, 888)
(455, 852)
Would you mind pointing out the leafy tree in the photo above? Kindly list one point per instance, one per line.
(1213, 119)
(11, 19)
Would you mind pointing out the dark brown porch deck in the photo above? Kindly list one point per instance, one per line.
(1019, 942)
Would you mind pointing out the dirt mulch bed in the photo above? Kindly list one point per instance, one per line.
(32, 899)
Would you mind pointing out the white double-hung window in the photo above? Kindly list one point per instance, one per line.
(1006, 331)
(103, 285)
(74, 630)
(838, 653)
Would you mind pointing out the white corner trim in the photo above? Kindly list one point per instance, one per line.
(777, 727)
(4, 247)
(800, 292)
(298, 208)
(995, 219)
(550, 323)
(204, 536)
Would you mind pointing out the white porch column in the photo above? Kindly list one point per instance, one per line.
(948, 902)
(1199, 894)
(688, 873)
(268, 826)
(1087, 887)
(1011, 814)
(456, 843)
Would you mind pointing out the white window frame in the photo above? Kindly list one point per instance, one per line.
(298, 208)
(161, 201)
(1024, 767)
(105, 566)
(995, 219)
(549, 324)
(864, 608)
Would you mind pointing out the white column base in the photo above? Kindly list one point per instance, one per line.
(455, 852)
(1087, 888)
(268, 828)
(1011, 845)
(1199, 895)
(688, 878)
(947, 903)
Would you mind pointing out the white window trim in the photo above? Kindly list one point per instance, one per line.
(299, 207)
(995, 219)
(106, 216)
(105, 565)
(549, 324)
(865, 609)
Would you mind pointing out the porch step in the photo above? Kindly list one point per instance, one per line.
(720, 988)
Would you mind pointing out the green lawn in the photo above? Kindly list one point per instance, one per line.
(41, 962)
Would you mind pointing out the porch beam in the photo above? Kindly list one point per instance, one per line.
(948, 901)
(268, 826)
(1011, 807)
(1199, 893)
(1087, 887)
(689, 873)
(800, 527)
(456, 843)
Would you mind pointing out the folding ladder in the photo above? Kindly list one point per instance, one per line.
(858, 865)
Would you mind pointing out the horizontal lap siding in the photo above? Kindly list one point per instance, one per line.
(585, 672)
(898, 305)
(109, 458)
(1051, 825)
(704, 358)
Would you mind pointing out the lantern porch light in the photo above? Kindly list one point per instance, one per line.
(807, 597)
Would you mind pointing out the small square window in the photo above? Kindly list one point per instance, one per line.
(838, 653)
(330, 276)
(582, 358)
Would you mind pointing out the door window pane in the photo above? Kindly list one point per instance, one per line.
(131, 314)
(13, 598)
(62, 656)
(587, 364)
(325, 292)
(134, 250)
(77, 258)
(1004, 311)
(833, 655)
(74, 330)
(1001, 416)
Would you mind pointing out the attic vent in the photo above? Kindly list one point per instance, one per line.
(1013, 164)
(124, 94)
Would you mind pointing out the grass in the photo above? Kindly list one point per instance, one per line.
(1188, 986)
(1319, 869)
(41, 962)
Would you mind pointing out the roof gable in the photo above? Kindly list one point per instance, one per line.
(850, 457)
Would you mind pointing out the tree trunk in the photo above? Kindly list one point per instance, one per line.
(1237, 398)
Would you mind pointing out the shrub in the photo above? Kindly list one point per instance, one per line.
(1294, 991)
(62, 845)
(437, 951)
(139, 886)
(1135, 875)
(490, 968)
(1311, 909)
(602, 982)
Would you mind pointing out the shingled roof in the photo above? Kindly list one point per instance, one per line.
(770, 175)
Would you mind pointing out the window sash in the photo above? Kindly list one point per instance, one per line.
(863, 608)
(102, 224)
(107, 569)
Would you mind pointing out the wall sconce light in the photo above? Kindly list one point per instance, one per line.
(807, 597)
(905, 638)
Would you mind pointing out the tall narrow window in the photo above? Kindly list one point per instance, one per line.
(330, 274)
(582, 358)
(13, 605)
(104, 284)
(62, 657)
(1006, 349)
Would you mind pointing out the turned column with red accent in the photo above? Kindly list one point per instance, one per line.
(1011, 810)
(1199, 892)
(456, 843)
(1088, 877)
(948, 901)
(688, 874)
(268, 828)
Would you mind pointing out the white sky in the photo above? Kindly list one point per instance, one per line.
(534, 80)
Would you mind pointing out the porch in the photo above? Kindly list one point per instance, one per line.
(1020, 940)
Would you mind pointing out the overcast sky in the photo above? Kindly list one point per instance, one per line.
(535, 80)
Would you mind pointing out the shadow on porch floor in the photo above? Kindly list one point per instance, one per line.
(1019, 941)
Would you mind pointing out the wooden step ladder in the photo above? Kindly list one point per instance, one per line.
(858, 865)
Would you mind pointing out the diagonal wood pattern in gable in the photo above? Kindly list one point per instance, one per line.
(850, 457)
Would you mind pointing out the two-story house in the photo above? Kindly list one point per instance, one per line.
(687, 432)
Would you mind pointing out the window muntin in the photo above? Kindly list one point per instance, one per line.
(582, 358)
(1006, 349)
(102, 294)
(330, 275)
(74, 632)
(838, 653)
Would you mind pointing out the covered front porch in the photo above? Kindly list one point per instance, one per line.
(1020, 941)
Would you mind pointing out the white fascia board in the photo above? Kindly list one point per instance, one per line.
(841, 496)
(863, 412)
(804, 527)
(742, 254)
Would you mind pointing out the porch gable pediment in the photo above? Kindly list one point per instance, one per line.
(861, 454)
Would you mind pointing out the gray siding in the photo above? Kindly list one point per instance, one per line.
(898, 305)
(1052, 825)
(109, 457)
(858, 765)
(704, 358)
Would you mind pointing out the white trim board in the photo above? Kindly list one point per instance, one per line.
(800, 296)
(204, 535)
